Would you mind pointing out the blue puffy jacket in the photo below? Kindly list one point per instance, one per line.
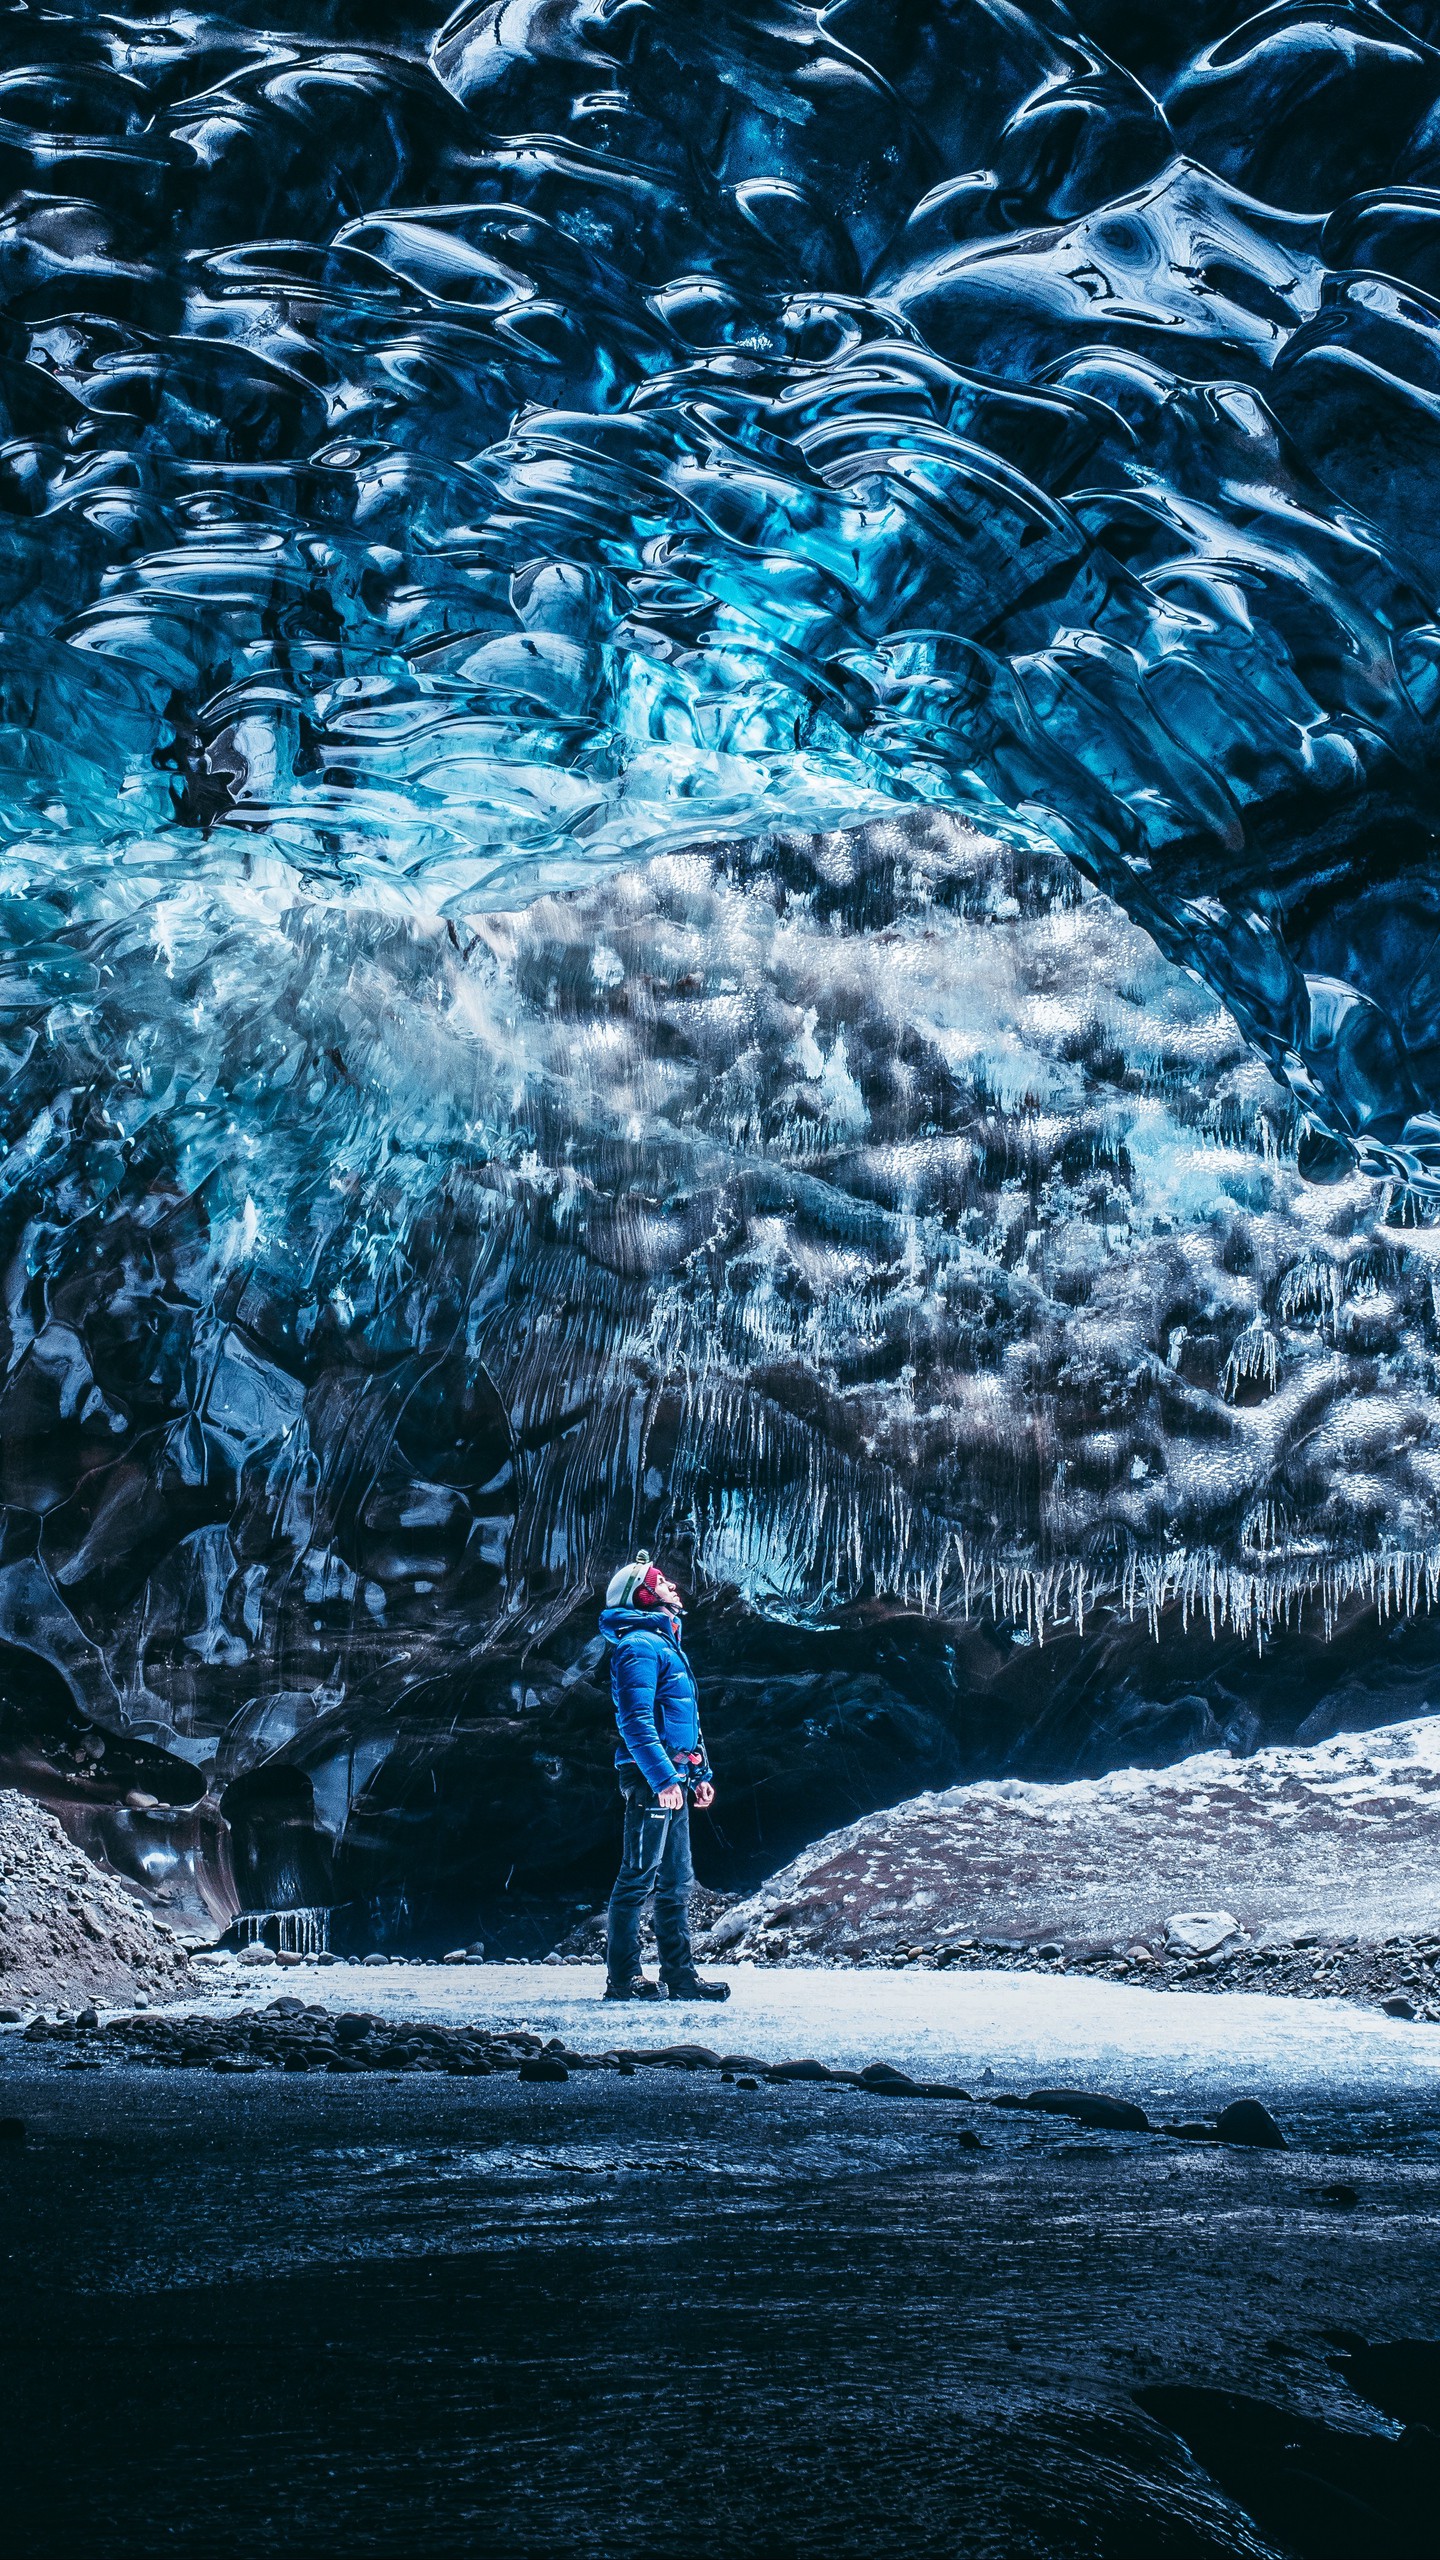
(657, 1709)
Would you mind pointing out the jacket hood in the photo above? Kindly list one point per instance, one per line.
(615, 1623)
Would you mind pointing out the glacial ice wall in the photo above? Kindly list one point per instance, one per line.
(716, 748)
(875, 1223)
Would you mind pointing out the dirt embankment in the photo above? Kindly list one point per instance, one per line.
(69, 1932)
(1326, 1861)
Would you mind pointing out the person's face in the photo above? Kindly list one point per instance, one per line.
(667, 1595)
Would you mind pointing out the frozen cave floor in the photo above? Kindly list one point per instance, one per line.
(1171, 2053)
(300, 2313)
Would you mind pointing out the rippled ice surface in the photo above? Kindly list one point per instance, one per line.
(456, 456)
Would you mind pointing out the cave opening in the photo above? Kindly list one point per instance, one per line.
(281, 1859)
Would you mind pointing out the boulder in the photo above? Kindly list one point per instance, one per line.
(890, 2083)
(1200, 1933)
(1250, 2127)
(1091, 2107)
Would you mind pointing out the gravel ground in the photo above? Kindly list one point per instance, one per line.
(1400, 1974)
(68, 1931)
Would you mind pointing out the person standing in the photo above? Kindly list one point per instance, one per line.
(661, 1764)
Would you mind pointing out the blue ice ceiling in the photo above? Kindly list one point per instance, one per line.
(446, 459)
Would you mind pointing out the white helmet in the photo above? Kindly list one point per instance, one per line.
(637, 1585)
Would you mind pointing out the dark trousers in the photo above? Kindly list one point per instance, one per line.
(656, 1860)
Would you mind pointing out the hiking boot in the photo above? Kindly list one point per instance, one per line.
(688, 1986)
(639, 1988)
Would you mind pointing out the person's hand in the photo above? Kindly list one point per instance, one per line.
(704, 1796)
(671, 1799)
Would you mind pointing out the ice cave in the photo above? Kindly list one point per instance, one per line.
(719, 837)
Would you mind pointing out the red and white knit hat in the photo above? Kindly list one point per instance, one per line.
(634, 1586)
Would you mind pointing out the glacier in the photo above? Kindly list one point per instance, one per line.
(717, 742)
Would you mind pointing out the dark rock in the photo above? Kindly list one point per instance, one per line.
(1400, 2376)
(1092, 2108)
(746, 2083)
(742, 2062)
(1250, 2126)
(1329, 2493)
(1397, 2006)
(12, 2128)
(1339, 2192)
(543, 2066)
(804, 2070)
(887, 2081)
